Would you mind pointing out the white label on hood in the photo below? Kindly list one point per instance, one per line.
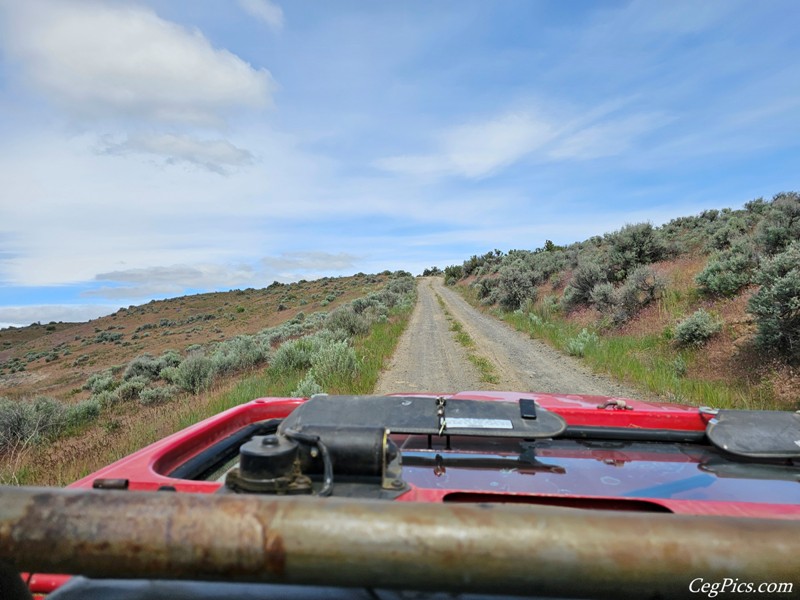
(455, 423)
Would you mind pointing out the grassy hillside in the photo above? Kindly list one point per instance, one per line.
(56, 359)
(108, 387)
(705, 309)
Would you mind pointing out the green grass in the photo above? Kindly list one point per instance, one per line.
(648, 362)
(488, 372)
(375, 349)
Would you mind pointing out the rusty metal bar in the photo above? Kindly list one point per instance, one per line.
(314, 541)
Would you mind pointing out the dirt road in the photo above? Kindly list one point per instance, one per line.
(428, 359)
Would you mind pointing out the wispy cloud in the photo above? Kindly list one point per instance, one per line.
(310, 261)
(477, 148)
(610, 138)
(146, 282)
(214, 155)
(170, 280)
(265, 11)
(100, 59)
(480, 149)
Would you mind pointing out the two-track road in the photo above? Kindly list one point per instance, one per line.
(428, 359)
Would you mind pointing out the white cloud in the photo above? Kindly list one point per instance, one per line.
(610, 138)
(482, 148)
(101, 59)
(307, 261)
(20, 316)
(148, 282)
(213, 155)
(184, 275)
(264, 10)
(69, 213)
(478, 148)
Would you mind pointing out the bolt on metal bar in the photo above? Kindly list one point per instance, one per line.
(417, 546)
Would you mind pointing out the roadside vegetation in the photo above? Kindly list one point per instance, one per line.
(487, 370)
(131, 405)
(703, 310)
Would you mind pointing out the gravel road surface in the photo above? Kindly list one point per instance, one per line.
(428, 359)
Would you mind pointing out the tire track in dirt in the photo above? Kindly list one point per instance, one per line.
(427, 358)
(427, 351)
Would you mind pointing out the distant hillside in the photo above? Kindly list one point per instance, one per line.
(56, 359)
(713, 297)
(77, 396)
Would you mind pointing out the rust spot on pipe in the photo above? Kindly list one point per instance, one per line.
(275, 553)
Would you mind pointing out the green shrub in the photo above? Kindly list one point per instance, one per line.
(515, 284)
(780, 224)
(130, 388)
(535, 320)
(25, 422)
(726, 233)
(300, 354)
(294, 355)
(83, 412)
(584, 279)
(604, 297)
(577, 346)
(195, 373)
(334, 362)
(484, 286)
(757, 206)
(106, 398)
(622, 303)
(242, 352)
(100, 382)
(452, 274)
(169, 358)
(81, 360)
(146, 365)
(696, 329)
(157, 395)
(106, 336)
(728, 271)
(631, 246)
(776, 305)
(307, 388)
(347, 320)
(169, 374)
(642, 287)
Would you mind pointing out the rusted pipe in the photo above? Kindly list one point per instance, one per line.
(481, 548)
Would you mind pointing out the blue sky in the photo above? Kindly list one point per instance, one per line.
(154, 149)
